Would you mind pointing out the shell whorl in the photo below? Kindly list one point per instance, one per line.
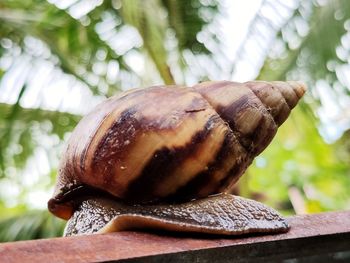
(173, 142)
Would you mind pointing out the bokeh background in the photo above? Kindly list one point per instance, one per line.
(59, 58)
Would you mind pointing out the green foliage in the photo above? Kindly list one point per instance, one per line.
(31, 225)
(309, 44)
(146, 16)
(68, 39)
(298, 158)
(18, 130)
(299, 161)
(185, 19)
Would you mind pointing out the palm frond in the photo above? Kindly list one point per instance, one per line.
(18, 128)
(312, 47)
(311, 53)
(270, 18)
(73, 43)
(32, 225)
(188, 18)
(147, 17)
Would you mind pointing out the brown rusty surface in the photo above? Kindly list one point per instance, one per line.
(313, 238)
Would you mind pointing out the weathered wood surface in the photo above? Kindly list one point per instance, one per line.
(313, 238)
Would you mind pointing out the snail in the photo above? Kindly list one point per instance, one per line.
(167, 157)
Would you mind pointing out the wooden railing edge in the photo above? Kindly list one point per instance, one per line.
(324, 236)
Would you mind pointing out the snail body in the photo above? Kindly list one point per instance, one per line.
(171, 144)
(227, 215)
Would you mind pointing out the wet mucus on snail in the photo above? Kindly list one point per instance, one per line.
(167, 157)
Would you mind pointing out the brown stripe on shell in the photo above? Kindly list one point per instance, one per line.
(232, 154)
(165, 161)
(74, 166)
(122, 140)
(287, 92)
(136, 99)
(226, 185)
(248, 118)
(272, 98)
(226, 114)
(113, 147)
(250, 122)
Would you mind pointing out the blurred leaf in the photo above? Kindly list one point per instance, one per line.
(32, 225)
(314, 53)
(185, 18)
(313, 167)
(147, 17)
(16, 129)
(6, 134)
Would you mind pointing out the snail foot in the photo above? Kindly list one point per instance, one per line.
(221, 214)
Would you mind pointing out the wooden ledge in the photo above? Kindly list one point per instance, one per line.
(313, 238)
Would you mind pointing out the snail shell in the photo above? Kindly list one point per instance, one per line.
(167, 143)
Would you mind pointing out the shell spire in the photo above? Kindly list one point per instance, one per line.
(255, 109)
(172, 143)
